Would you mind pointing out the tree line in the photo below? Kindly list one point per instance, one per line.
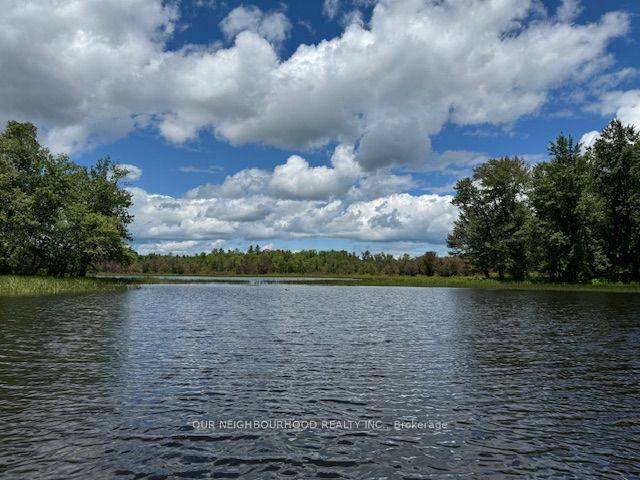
(256, 261)
(56, 217)
(572, 218)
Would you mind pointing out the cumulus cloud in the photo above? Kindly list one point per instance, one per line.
(625, 105)
(89, 71)
(294, 201)
(179, 247)
(588, 140)
(247, 182)
(133, 172)
(296, 179)
(160, 219)
(273, 26)
(61, 60)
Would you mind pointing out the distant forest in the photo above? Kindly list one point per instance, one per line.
(573, 218)
(258, 262)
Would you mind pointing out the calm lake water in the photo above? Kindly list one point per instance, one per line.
(167, 380)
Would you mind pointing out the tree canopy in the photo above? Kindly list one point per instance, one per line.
(57, 217)
(615, 183)
(490, 230)
(574, 217)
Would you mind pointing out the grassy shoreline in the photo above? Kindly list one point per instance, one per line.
(16, 286)
(12, 286)
(495, 284)
(406, 281)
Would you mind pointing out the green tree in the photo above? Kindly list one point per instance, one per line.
(615, 173)
(57, 217)
(427, 263)
(562, 240)
(491, 229)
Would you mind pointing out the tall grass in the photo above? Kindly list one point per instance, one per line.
(539, 283)
(480, 282)
(12, 285)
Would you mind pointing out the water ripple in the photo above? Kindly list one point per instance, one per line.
(507, 384)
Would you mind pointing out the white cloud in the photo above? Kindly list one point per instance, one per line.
(210, 169)
(569, 10)
(588, 140)
(624, 104)
(133, 172)
(331, 8)
(610, 80)
(60, 62)
(353, 16)
(67, 139)
(395, 217)
(297, 180)
(250, 181)
(89, 71)
(295, 201)
(273, 26)
(179, 247)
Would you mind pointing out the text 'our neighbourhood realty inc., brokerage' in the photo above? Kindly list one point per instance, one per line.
(318, 424)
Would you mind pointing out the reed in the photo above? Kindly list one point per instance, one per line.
(495, 284)
(13, 285)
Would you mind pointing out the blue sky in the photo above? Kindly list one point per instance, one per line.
(315, 124)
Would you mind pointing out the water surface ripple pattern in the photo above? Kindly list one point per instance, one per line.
(528, 384)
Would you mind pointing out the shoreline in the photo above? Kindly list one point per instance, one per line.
(16, 286)
(386, 281)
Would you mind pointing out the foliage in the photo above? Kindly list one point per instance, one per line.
(573, 218)
(561, 231)
(56, 217)
(259, 262)
(615, 172)
(491, 229)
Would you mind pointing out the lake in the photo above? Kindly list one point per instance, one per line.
(317, 381)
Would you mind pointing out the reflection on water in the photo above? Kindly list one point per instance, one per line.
(536, 384)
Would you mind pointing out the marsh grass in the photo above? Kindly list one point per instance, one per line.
(405, 281)
(12, 285)
(495, 284)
